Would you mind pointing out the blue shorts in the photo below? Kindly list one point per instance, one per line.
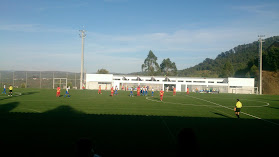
(67, 92)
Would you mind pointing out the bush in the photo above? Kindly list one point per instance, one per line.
(23, 85)
(70, 84)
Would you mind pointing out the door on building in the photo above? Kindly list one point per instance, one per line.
(183, 88)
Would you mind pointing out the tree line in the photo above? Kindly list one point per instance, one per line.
(241, 61)
(152, 68)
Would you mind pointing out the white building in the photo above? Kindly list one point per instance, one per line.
(222, 85)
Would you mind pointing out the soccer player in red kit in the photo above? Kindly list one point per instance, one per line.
(111, 91)
(58, 91)
(174, 91)
(161, 94)
(138, 91)
(99, 91)
(187, 90)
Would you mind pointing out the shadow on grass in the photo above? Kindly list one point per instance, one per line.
(268, 100)
(158, 99)
(8, 107)
(272, 107)
(64, 110)
(6, 97)
(29, 93)
(14, 96)
(55, 132)
(220, 114)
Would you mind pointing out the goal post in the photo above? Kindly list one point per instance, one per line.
(62, 82)
(256, 90)
(245, 90)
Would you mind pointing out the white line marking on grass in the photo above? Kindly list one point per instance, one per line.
(37, 100)
(177, 103)
(31, 110)
(14, 95)
(233, 109)
(267, 104)
(172, 136)
(17, 93)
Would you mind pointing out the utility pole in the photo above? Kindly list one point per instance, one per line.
(53, 80)
(13, 78)
(260, 61)
(75, 80)
(82, 35)
(1, 80)
(40, 79)
(26, 80)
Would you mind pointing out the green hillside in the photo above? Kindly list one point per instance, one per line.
(241, 61)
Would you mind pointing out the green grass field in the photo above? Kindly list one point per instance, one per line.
(36, 123)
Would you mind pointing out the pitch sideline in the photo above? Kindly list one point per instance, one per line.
(232, 109)
(267, 104)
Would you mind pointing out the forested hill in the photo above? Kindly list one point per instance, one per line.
(241, 61)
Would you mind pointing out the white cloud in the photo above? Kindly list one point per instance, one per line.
(126, 53)
(267, 10)
(19, 27)
(34, 28)
(125, 64)
(183, 41)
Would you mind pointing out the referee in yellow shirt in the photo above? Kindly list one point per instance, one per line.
(237, 107)
(10, 90)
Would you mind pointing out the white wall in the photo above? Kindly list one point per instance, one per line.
(244, 82)
(99, 77)
(178, 81)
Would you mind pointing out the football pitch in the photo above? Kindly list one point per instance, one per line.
(36, 123)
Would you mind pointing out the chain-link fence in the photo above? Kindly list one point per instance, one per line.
(39, 79)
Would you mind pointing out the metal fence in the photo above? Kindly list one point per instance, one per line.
(38, 79)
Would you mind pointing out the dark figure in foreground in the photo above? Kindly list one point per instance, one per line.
(187, 144)
(85, 148)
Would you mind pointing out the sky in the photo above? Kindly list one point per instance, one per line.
(43, 35)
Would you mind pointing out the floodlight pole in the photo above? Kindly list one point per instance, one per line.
(40, 79)
(53, 80)
(261, 62)
(82, 35)
(26, 80)
(75, 79)
(1, 80)
(13, 78)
